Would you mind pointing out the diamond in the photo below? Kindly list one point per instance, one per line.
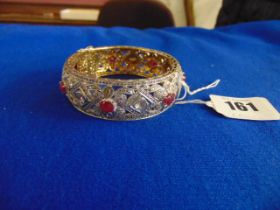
(108, 92)
(121, 99)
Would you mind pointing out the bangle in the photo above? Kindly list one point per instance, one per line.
(91, 81)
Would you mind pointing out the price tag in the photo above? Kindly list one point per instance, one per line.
(255, 108)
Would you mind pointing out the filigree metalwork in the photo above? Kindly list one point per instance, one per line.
(85, 77)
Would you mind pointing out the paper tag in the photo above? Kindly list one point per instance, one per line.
(255, 108)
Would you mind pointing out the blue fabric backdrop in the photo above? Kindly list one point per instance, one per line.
(54, 157)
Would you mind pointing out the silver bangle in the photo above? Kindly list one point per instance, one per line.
(87, 84)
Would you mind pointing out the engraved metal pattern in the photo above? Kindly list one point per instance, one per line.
(84, 78)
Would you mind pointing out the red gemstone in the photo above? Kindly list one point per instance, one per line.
(112, 59)
(62, 87)
(183, 77)
(169, 99)
(153, 63)
(107, 106)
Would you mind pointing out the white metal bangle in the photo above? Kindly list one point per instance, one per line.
(87, 82)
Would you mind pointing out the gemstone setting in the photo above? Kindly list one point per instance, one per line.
(107, 106)
(169, 99)
(62, 87)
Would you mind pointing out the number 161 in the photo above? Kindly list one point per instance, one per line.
(241, 106)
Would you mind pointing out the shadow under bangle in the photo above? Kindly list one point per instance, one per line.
(89, 81)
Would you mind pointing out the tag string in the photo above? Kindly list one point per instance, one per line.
(187, 91)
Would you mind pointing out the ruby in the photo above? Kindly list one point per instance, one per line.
(183, 77)
(107, 106)
(112, 59)
(153, 63)
(62, 87)
(169, 99)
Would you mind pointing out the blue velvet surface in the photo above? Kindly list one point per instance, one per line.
(54, 157)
